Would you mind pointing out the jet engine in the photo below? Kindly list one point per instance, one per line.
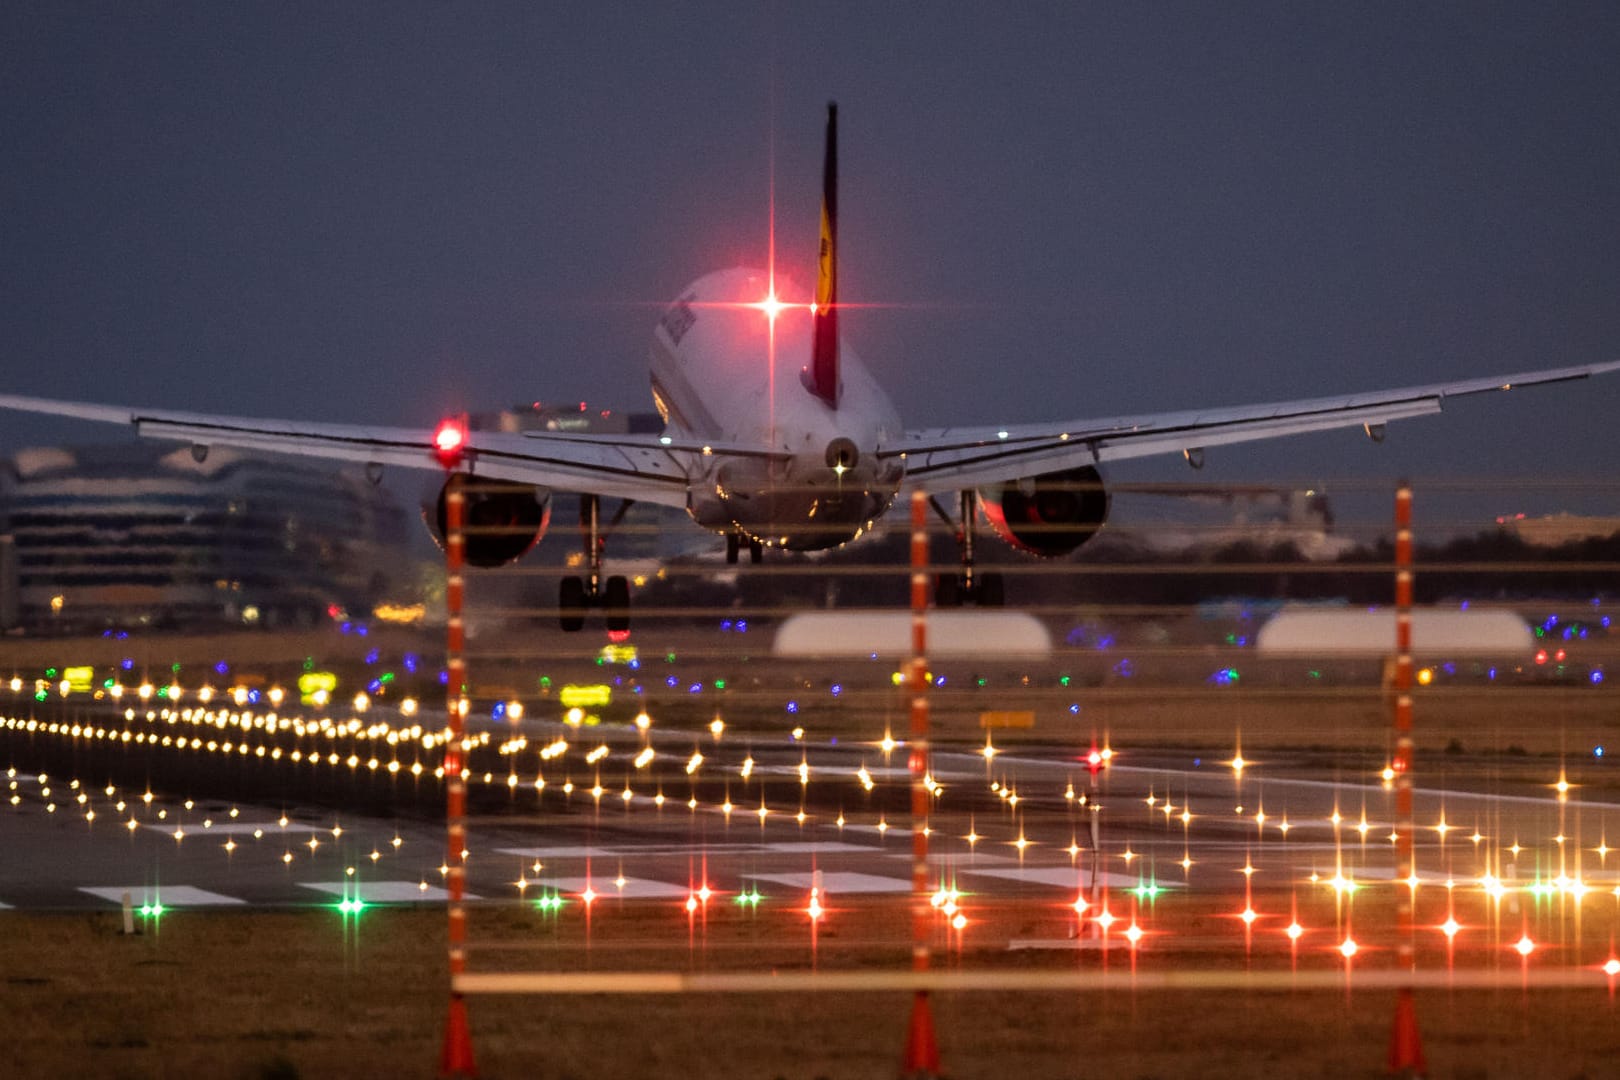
(502, 519)
(1051, 514)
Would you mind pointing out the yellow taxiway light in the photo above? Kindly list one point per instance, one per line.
(593, 696)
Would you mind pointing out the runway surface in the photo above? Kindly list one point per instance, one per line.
(776, 818)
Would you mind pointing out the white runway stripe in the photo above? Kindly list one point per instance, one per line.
(606, 887)
(834, 882)
(817, 847)
(384, 892)
(167, 895)
(582, 851)
(1063, 877)
(1387, 873)
(233, 828)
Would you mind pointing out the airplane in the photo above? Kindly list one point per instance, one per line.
(777, 435)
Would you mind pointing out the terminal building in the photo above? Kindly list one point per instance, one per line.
(148, 534)
(155, 534)
(1554, 530)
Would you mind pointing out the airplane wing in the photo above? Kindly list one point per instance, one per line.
(646, 468)
(944, 459)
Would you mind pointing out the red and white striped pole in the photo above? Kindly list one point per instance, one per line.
(456, 1056)
(1405, 1047)
(921, 1057)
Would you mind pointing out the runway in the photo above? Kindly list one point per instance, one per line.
(771, 819)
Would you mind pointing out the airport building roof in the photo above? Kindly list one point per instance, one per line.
(1323, 632)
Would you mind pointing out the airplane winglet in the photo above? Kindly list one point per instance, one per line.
(821, 377)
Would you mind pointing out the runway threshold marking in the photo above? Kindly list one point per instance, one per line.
(232, 828)
(605, 887)
(819, 847)
(884, 831)
(581, 851)
(383, 892)
(1064, 877)
(838, 881)
(168, 895)
(779, 847)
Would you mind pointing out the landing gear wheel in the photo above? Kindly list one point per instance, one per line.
(991, 591)
(616, 601)
(733, 546)
(571, 605)
(756, 552)
(966, 586)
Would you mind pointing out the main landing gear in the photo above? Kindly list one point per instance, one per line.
(967, 586)
(575, 595)
(734, 543)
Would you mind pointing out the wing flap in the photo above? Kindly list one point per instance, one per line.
(947, 458)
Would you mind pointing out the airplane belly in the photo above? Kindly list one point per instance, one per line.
(800, 510)
(727, 370)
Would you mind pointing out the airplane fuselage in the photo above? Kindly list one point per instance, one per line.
(726, 367)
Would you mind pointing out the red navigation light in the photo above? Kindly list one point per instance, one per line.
(449, 443)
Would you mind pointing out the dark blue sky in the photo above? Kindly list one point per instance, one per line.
(384, 212)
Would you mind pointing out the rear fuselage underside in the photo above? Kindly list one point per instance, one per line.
(726, 369)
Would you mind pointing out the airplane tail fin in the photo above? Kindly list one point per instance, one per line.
(821, 377)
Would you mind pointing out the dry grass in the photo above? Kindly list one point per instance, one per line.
(267, 995)
(283, 995)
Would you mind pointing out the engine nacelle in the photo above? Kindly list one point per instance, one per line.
(503, 519)
(1049, 515)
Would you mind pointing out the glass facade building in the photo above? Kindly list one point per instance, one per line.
(147, 534)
